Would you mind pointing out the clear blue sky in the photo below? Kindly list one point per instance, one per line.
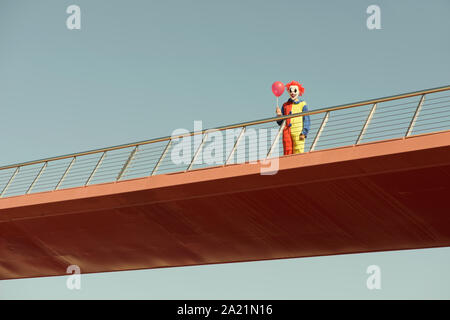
(139, 69)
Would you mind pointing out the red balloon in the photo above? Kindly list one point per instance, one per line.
(278, 88)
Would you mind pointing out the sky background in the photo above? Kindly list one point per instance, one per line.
(139, 69)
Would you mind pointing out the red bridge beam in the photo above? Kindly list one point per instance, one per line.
(386, 195)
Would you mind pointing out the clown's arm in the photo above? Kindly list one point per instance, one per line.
(306, 122)
(282, 112)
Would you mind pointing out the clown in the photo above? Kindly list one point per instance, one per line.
(296, 129)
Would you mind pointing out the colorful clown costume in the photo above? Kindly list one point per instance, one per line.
(294, 126)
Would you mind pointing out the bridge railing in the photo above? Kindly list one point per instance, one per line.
(343, 125)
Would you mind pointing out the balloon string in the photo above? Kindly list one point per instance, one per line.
(277, 102)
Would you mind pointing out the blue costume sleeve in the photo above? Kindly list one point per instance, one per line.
(306, 121)
(282, 113)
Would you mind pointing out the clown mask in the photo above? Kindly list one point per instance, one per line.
(294, 92)
(295, 89)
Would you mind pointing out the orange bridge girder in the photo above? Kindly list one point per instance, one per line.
(385, 195)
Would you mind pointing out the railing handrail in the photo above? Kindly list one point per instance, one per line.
(233, 126)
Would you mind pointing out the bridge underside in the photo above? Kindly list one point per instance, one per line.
(387, 195)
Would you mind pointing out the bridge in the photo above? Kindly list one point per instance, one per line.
(375, 176)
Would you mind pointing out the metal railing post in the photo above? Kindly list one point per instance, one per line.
(125, 166)
(65, 173)
(277, 137)
(95, 169)
(416, 115)
(319, 133)
(9, 182)
(197, 152)
(37, 178)
(241, 134)
(163, 155)
(366, 124)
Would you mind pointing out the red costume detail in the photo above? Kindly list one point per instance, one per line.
(287, 137)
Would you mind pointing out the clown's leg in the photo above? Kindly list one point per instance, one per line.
(287, 141)
(299, 145)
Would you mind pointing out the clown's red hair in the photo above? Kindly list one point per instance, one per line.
(299, 85)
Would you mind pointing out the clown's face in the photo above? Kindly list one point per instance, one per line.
(294, 92)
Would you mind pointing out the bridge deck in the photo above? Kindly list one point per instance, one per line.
(385, 195)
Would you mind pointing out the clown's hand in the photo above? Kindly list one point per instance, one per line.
(278, 111)
(302, 136)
